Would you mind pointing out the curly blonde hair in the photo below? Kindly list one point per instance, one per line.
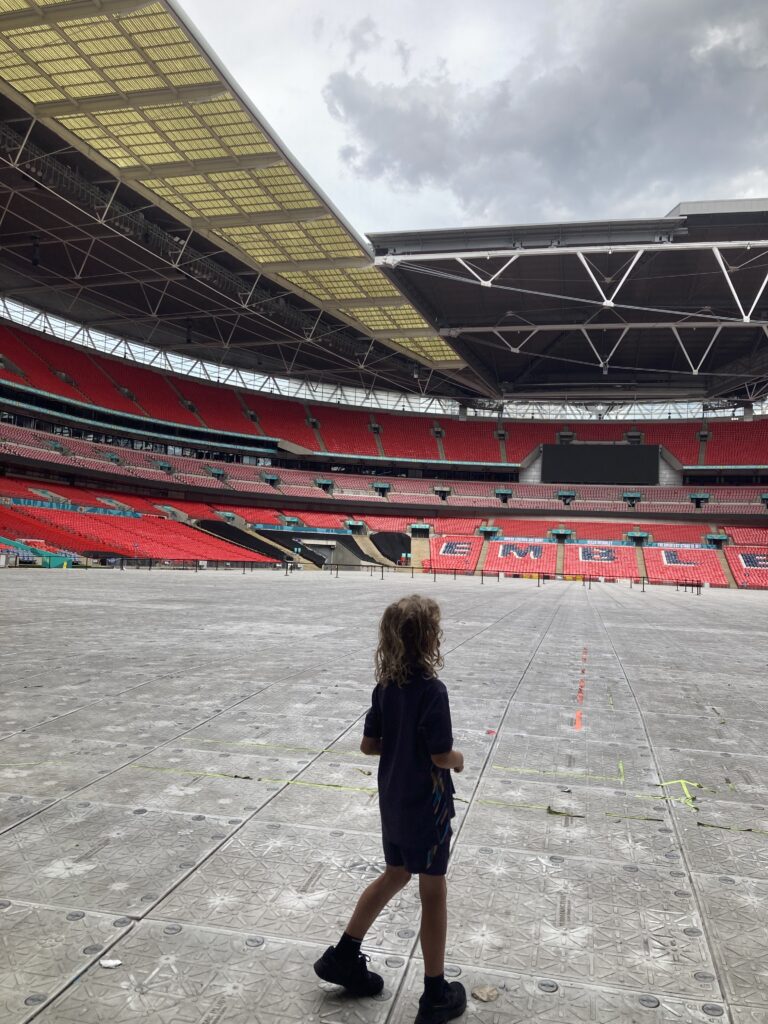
(409, 640)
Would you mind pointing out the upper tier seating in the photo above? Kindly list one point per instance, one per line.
(282, 418)
(748, 565)
(217, 407)
(460, 552)
(748, 535)
(521, 557)
(86, 369)
(611, 561)
(684, 564)
(738, 444)
(408, 437)
(36, 373)
(97, 379)
(153, 392)
(470, 440)
(446, 525)
(345, 430)
(525, 435)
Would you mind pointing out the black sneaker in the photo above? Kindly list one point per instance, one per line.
(453, 1004)
(350, 972)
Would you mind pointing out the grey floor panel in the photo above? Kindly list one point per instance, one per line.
(624, 925)
(724, 838)
(293, 883)
(582, 821)
(741, 778)
(577, 761)
(178, 974)
(749, 1014)
(523, 999)
(49, 766)
(134, 722)
(599, 725)
(253, 732)
(24, 711)
(707, 732)
(196, 781)
(103, 858)
(15, 807)
(736, 910)
(42, 949)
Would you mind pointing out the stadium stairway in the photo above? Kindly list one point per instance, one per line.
(419, 551)
(370, 550)
(727, 571)
(242, 537)
(641, 566)
(560, 563)
(284, 542)
(483, 555)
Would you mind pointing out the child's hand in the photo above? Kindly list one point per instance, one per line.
(460, 766)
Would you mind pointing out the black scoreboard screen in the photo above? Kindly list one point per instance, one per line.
(600, 464)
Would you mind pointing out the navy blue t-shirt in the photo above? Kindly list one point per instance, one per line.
(415, 796)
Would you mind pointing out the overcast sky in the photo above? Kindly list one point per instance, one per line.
(418, 113)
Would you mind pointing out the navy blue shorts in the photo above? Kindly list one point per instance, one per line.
(432, 861)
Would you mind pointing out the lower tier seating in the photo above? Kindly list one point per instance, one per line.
(749, 566)
(142, 537)
(454, 552)
(611, 561)
(521, 557)
(684, 564)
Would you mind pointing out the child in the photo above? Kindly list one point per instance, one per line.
(409, 725)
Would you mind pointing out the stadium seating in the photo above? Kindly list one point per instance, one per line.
(142, 537)
(525, 435)
(219, 408)
(470, 440)
(153, 392)
(749, 566)
(748, 535)
(521, 557)
(282, 418)
(610, 561)
(407, 437)
(684, 564)
(461, 527)
(737, 443)
(36, 374)
(449, 553)
(345, 430)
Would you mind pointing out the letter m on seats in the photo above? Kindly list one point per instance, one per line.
(532, 551)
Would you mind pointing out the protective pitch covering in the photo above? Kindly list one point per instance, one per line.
(183, 793)
(131, 85)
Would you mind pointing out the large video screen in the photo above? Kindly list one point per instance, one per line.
(600, 464)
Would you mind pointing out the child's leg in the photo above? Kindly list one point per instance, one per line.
(375, 898)
(434, 922)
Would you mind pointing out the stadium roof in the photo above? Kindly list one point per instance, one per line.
(673, 307)
(143, 195)
(130, 89)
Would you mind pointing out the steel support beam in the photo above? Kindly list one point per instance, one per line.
(213, 165)
(639, 325)
(244, 220)
(131, 100)
(297, 266)
(76, 10)
(393, 260)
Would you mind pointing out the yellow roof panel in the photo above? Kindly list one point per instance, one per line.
(117, 81)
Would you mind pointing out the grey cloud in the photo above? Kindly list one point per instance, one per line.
(640, 105)
(363, 36)
(403, 52)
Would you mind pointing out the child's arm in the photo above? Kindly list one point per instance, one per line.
(452, 759)
(370, 745)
